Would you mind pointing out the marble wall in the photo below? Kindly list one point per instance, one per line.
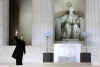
(4, 21)
(42, 22)
(93, 26)
(25, 20)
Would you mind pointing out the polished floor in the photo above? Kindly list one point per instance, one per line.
(50, 65)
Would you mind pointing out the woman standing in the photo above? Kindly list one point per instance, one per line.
(19, 50)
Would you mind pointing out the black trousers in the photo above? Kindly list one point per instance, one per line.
(19, 61)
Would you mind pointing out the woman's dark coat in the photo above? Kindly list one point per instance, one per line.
(20, 48)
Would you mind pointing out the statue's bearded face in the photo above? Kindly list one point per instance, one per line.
(69, 4)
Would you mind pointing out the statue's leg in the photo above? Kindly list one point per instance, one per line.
(76, 31)
(68, 31)
(62, 33)
(71, 31)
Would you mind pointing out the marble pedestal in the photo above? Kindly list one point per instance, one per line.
(67, 51)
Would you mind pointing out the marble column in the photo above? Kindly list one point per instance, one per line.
(4, 21)
(42, 22)
(93, 29)
(1, 22)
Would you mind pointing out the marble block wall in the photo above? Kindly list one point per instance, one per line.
(42, 22)
(4, 19)
(93, 29)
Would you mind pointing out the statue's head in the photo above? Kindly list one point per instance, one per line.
(69, 4)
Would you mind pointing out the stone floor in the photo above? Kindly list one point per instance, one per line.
(50, 65)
